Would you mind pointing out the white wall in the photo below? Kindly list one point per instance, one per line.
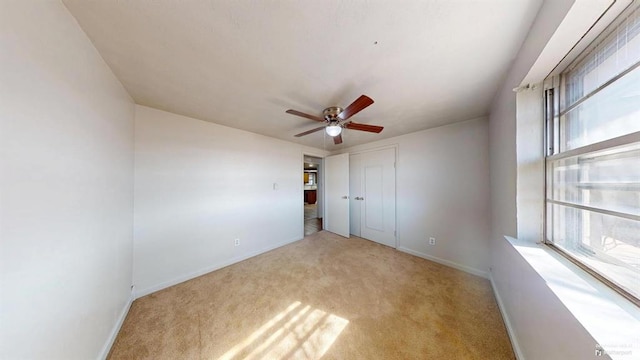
(542, 326)
(66, 188)
(442, 183)
(199, 186)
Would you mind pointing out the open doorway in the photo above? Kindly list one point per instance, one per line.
(312, 194)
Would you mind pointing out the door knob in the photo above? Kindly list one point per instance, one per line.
(345, 197)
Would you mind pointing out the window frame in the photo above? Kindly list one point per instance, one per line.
(553, 96)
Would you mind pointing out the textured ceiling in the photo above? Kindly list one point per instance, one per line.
(243, 63)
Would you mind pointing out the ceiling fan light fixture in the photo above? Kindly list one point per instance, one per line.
(333, 130)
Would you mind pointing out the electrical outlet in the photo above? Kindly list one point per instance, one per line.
(432, 241)
(236, 242)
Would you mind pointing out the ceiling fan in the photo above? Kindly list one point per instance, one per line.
(337, 118)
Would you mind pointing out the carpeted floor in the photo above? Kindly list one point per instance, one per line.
(322, 297)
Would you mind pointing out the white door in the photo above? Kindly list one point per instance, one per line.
(376, 196)
(336, 190)
(355, 188)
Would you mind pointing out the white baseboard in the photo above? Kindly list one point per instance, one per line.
(208, 269)
(507, 322)
(116, 329)
(448, 263)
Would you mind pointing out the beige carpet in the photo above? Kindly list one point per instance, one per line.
(322, 297)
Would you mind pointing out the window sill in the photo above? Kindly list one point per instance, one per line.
(610, 319)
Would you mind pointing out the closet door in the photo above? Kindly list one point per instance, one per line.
(355, 187)
(336, 216)
(374, 199)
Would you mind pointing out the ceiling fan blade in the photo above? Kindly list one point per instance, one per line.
(337, 139)
(364, 127)
(362, 102)
(310, 131)
(311, 117)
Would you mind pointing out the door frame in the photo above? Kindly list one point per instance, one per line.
(395, 175)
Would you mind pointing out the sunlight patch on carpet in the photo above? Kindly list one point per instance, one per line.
(298, 332)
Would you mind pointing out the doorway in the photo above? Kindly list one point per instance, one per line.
(312, 190)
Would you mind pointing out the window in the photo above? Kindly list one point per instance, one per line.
(593, 157)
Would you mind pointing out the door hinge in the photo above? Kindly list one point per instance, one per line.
(394, 164)
(394, 233)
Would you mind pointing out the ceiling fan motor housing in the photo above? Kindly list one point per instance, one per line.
(330, 114)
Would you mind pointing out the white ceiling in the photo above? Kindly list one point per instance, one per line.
(243, 63)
